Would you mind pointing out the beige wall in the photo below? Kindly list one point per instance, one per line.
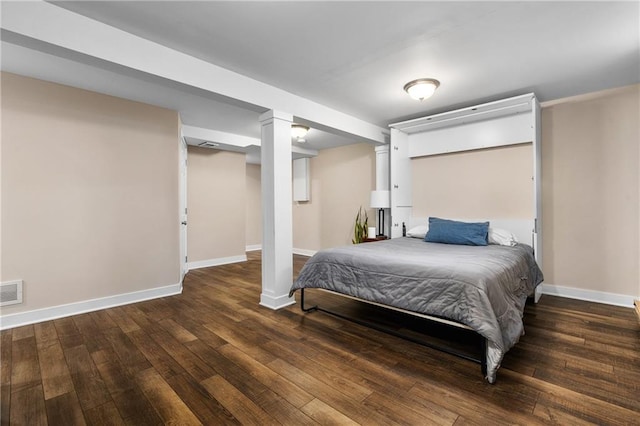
(216, 203)
(89, 194)
(341, 181)
(254, 206)
(491, 183)
(591, 192)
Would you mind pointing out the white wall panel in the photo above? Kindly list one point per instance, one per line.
(499, 131)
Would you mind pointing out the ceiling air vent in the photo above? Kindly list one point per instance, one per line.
(11, 292)
(207, 144)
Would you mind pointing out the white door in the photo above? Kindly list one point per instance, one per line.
(183, 207)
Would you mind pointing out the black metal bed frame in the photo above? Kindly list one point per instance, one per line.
(482, 360)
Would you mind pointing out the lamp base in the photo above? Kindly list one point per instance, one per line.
(380, 223)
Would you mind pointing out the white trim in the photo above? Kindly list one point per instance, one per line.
(182, 203)
(299, 251)
(304, 252)
(216, 262)
(537, 294)
(588, 295)
(76, 308)
(500, 131)
(277, 302)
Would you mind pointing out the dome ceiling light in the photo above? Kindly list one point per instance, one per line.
(298, 131)
(421, 88)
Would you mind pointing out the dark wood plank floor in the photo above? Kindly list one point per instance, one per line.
(214, 356)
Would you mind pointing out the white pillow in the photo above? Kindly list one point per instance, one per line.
(502, 237)
(418, 231)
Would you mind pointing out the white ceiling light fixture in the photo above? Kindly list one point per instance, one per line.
(298, 131)
(421, 88)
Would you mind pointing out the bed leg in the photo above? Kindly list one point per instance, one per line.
(311, 309)
(483, 357)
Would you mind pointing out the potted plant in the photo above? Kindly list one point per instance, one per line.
(360, 228)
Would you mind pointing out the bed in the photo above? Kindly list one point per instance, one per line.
(483, 288)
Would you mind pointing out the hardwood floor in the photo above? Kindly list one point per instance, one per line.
(214, 356)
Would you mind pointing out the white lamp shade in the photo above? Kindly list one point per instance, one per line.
(380, 200)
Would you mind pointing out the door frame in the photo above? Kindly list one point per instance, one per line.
(182, 205)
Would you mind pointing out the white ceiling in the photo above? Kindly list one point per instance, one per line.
(355, 57)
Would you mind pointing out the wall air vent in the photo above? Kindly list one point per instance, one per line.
(207, 144)
(11, 292)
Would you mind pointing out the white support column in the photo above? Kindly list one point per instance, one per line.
(382, 167)
(277, 220)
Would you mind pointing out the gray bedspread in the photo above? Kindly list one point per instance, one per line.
(483, 287)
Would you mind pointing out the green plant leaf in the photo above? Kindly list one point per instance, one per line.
(360, 227)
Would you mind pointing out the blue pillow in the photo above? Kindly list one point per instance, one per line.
(454, 232)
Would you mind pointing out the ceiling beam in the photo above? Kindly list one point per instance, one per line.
(53, 28)
(231, 140)
(219, 137)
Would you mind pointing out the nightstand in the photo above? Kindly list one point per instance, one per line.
(380, 238)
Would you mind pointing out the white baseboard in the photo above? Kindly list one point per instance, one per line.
(76, 308)
(216, 262)
(588, 295)
(301, 252)
(304, 252)
(276, 302)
